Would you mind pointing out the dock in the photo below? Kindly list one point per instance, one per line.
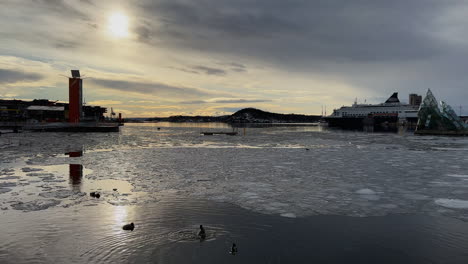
(219, 133)
(78, 127)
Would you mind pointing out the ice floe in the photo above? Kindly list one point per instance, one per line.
(27, 169)
(289, 215)
(452, 203)
(458, 175)
(9, 178)
(35, 205)
(61, 194)
(365, 192)
(267, 171)
(4, 190)
(7, 184)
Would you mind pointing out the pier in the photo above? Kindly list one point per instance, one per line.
(78, 127)
(43, 115)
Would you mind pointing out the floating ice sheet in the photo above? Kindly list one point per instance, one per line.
(267, 171)
(452, 203)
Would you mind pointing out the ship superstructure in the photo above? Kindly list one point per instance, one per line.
(389, 112)
(391, 107)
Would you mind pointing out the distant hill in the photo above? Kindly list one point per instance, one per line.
(246, 115)
(253, 115)
(181, 118)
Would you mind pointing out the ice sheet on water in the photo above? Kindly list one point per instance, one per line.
(9, 178)
(40, 175)
(343, 173)
(452, 203)
(36, 205)
(458, 175)
(7, 172)
(28, 169)
(61, 194)
(7, 184)
(4, 190)
(289, 215)
(366, 192)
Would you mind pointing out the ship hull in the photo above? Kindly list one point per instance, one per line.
(353, 123)
(375, 124)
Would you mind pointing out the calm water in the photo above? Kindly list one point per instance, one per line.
(290, 194)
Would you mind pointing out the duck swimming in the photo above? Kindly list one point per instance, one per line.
(233, 249)
(95, 194)
(202, 233)
(130, 227)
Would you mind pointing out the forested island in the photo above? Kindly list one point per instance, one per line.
(246, 115)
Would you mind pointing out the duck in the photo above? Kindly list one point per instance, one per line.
(202, 233)
(233, 249)
(92, 194)
(98, 195)
(130, 226)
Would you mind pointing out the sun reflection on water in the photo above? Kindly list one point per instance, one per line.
(120, 215)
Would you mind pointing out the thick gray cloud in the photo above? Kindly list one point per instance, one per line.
(362, 30)
(154, 88)
(13, 76)
(378, 45)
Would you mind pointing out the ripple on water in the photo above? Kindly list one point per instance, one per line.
(103, 249)
(190, 234)
(126, 243)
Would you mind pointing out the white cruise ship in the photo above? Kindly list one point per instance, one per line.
(391, 110)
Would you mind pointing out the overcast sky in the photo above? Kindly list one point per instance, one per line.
(166, 57)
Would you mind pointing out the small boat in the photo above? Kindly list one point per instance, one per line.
(219, 133)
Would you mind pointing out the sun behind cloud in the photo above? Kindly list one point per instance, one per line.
(118, 25)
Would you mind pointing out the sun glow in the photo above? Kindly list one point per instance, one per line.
(118, 25)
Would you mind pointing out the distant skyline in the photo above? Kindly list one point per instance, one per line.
(212, 57)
